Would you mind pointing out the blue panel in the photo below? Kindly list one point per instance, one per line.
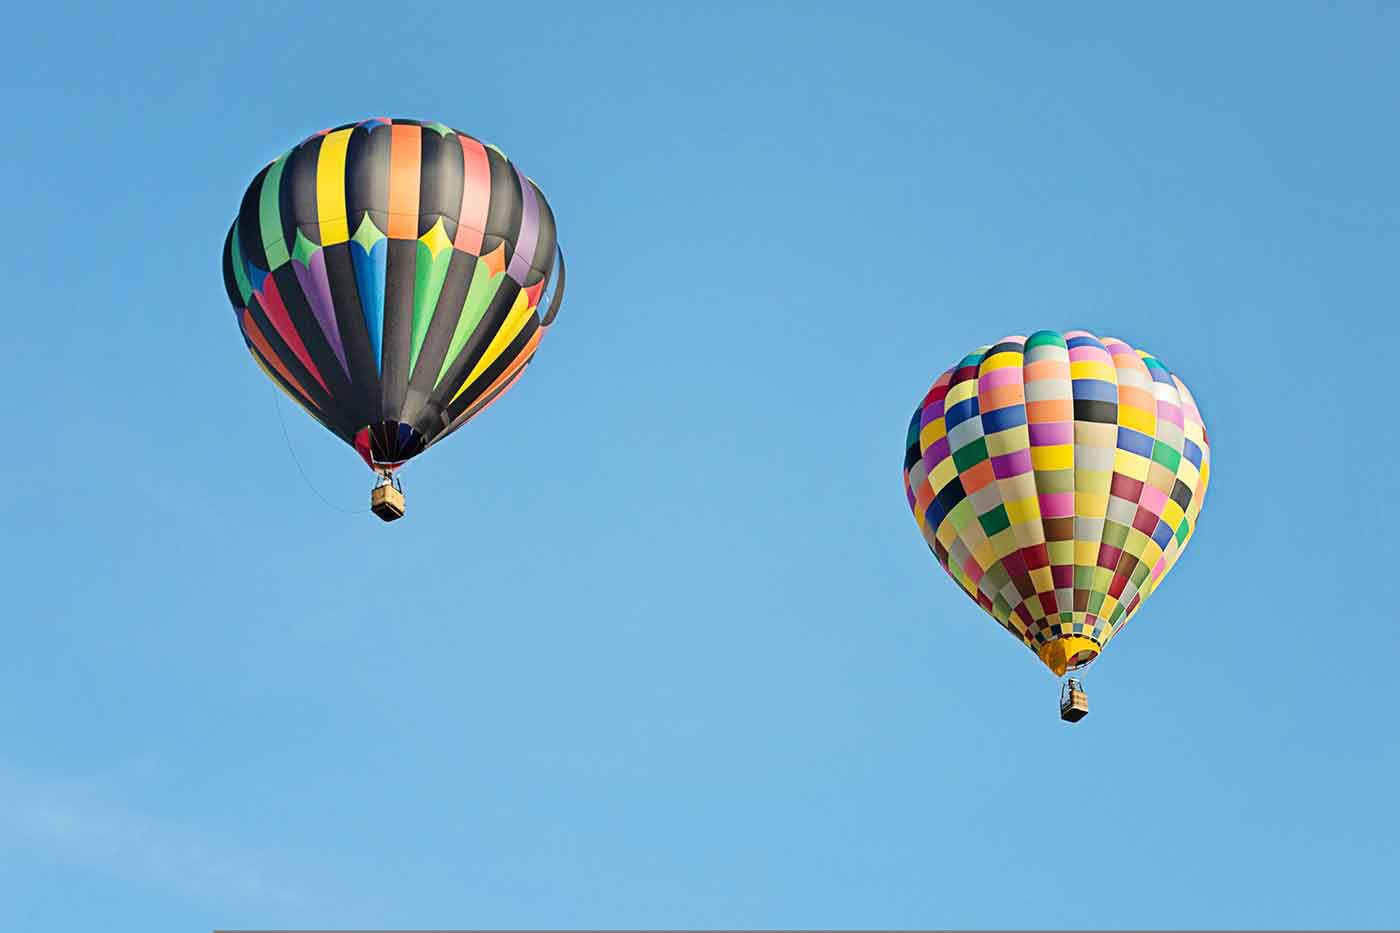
(370, 271)
(1003, 418)
(960, 412)
(1134, 442)
(1162, 535)
(1094, 390)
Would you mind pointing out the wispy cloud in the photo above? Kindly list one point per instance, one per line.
(81, 822)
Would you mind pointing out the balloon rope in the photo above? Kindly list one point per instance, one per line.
(277, 403)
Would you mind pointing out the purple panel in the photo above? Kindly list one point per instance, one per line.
(317, 288)
(1012, 464)
(1052, 433)
(528, 238)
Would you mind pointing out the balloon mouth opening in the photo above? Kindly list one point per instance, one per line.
(1069, 653)
(387, 445)
(1082, 659)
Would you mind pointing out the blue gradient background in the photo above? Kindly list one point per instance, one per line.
(658, 643)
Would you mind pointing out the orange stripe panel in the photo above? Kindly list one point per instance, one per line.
(1001, 397)
(1045, 369)
(405, 167)
(512, 372)
(1050, 411)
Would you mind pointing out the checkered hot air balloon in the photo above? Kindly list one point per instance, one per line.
(394, 278)
(1057, 478)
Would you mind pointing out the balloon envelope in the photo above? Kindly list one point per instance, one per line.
(393, 277)
(1057, 478)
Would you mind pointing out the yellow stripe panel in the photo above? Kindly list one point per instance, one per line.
(1137, 419)
(1093, 369)
(1055, 457)
(943, 473)
(1091, 504)
(1131, 465)
(946, 533)
(960, 392)
(519, 313)
(1023, 510)
(1000, 361)
(330, 188)
(1010, 441)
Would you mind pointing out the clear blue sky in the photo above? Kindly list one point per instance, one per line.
(659, 643)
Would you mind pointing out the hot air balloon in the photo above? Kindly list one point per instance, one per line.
(1058, 478)
(394, 278)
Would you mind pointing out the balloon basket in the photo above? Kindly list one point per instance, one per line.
(386, 501)
(1074, 702)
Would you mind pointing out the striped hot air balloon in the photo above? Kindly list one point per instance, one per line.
(1058, 478)
(394, 278)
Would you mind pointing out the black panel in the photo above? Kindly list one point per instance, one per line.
(440, 183)
(363, 395)
(398, 323)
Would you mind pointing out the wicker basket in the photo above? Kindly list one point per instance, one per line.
(386, 502)
(1074, 703)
